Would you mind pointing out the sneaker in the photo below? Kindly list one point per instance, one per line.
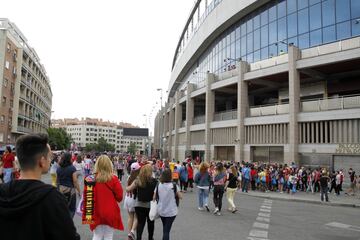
(207, 208)
(201, 209)
(218, 214)
(234, 211)
(216, 210)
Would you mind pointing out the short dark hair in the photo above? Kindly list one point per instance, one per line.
(8, 148)
(65, 160)
(166, 176)
(29, 148)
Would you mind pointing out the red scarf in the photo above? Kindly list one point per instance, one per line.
(88, 202)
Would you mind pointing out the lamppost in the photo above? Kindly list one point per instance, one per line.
(161, 96)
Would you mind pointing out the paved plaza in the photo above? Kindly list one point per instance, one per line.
(258, 218)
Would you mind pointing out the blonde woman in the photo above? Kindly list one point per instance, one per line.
(231, 186)
(144, 185)
(107, 193)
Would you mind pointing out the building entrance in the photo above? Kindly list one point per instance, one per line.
(268, 154)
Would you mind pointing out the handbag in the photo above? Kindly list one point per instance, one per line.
(153, 214)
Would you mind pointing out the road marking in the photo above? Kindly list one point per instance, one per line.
(343, 226)
(258, 233)
(255, 238)
(261, 225)
(264, 214)
(263, 219)
(268, 207)
(265, 210)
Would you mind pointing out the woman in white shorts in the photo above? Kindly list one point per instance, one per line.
(129, 202)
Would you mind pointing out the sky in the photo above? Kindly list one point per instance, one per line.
(105, 59)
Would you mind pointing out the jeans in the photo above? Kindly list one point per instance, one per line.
(103, 232)
(324, 190)
(87, 172)
(183, 185)
(142, 215)
(218, 195)
(245, 185)
(230, 194)
(7, 175)
(167, 223)
(203, 197)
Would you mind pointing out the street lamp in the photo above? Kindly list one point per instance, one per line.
(161, 96)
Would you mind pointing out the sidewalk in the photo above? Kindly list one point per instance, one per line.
(342, 200)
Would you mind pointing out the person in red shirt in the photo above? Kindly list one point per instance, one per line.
(107, 194)
(8, 164)
(190, 176)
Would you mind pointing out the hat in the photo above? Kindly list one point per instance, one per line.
(135, 166)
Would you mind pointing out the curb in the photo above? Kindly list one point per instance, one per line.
(350, 205)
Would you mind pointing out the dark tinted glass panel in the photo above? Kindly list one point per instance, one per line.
(292, 25)
(264, 53)
(273, 32)
(355, 28)
(293, 41)
(249, 25)
(257, 39)
(329, 34)
(273, 50)
(303, 16)
(304, 41)
(243, 29)
(243, 46)
(264, 36)
(303, 4)
(282, 28)
(257, 21)
(291, 6)
(315, 17)
(313, 1)
(342, 10)
(355, 8)
(256, 56)
(237, 32)
(237, 49)
(272, 14)
(281, 9)
(343, 30)
(328, 12)
(250, 43)
(264, 18)
(315, 38)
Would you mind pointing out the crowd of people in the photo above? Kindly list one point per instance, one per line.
(91, 185)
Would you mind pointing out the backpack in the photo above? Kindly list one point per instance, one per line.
(145, 194)
(177, 200)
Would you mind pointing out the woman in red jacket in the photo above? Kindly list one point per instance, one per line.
(107, 193)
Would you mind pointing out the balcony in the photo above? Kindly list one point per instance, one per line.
(24, 129)
(267, 110)
(226, 115)
(199, 120)
(338, 103)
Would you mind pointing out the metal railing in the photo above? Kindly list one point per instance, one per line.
(267, 110)
(199, 120)
(328, 104)
(24, 129)
(183, 124)
(225, 115)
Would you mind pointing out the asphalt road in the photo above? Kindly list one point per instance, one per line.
(257, 219)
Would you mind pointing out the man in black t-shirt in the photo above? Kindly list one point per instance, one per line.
(30, 208)
(324, 180)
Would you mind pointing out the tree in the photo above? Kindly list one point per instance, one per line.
(58, 139)
(101, 146)
(132, 148)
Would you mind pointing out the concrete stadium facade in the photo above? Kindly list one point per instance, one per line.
(272, 81)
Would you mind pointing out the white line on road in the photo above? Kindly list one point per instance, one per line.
(263, 219)
(258, 233)
(343, 226)
(261, 225)
(265, 210)
(264, 206)
(264, 215)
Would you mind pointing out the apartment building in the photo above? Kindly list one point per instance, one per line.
(89, 130)
(25, 90)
